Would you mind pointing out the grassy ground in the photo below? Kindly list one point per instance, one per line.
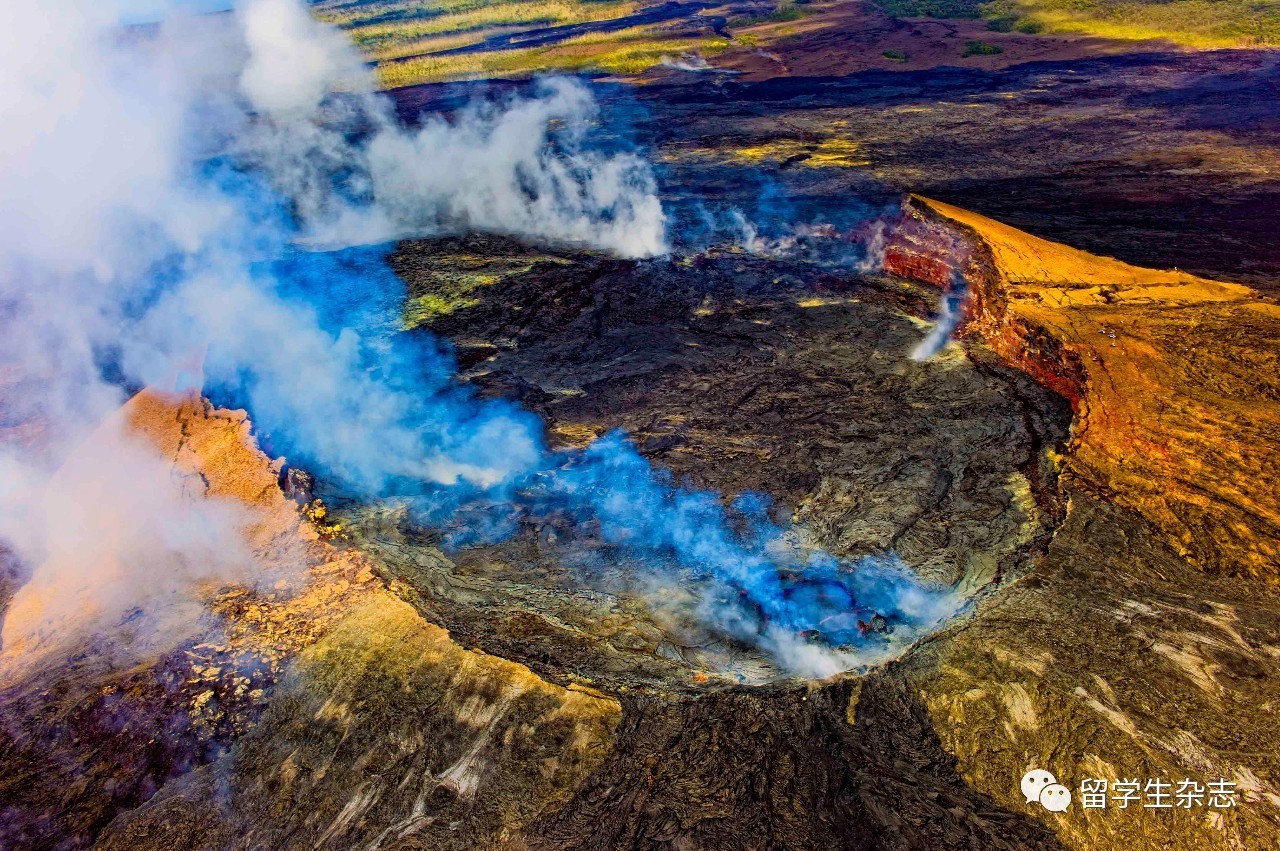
(832, 151)
(404, 36)
(453, 22)
(1195, 23)
(595, 52)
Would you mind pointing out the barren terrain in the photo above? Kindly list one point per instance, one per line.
(1087, 462)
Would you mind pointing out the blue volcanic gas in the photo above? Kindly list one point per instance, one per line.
(199, 250)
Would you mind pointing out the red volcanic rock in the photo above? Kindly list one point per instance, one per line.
(917, 266)
(923, 250)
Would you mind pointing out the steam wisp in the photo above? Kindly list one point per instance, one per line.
(950, 311)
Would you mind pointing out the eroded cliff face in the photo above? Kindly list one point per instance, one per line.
(95, 726)
(1143, 643)
(1173, 377)
(1123, 622)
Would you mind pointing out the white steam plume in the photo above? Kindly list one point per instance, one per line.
(153, 184)
(294, 62)
(495, 167)
(128, 233)
(950, 313)
(115, 531)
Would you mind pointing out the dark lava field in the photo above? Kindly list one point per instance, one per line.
(1084, 467)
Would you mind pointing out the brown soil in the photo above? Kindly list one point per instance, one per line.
(844, 38)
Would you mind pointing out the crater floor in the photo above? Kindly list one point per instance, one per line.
(736, 373)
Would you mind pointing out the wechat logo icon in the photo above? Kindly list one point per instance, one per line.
(1040, 786)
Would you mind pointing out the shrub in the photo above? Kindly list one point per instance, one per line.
(787, 12)
(981, 48)
(932, 8)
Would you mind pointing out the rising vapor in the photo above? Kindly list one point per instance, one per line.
(173, 196)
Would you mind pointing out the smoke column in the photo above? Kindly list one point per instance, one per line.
(169, 191)
(950, 310)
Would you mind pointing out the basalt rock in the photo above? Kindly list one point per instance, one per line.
(738, 374)
(1108, 635)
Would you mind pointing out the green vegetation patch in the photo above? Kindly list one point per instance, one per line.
(785, 11)
(932, 8)
(442, 284)
(981, 48)
(1195, 23)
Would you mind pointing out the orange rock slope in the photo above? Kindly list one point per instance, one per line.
(181, 453)
(319, 584)
(316, 676)
(1173, 377)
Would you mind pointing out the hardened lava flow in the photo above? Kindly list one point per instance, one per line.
(738, 373)
(564, 710)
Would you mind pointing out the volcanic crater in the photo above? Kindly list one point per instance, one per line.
(561, 709)
(1090, 464)
(737, 373)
